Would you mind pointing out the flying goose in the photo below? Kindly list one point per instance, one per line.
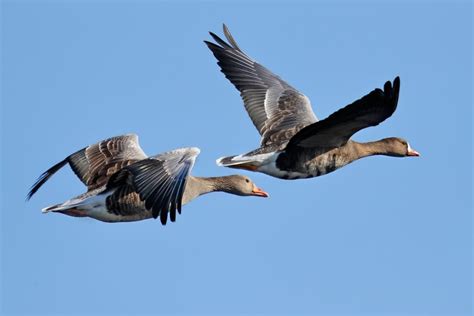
(124, 185)
(294, 143)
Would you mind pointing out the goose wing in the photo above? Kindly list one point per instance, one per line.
(338, 128)
(277, 110)
(159, 181)
(94, 164)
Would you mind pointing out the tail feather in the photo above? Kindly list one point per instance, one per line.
(78, 201)
(224, 161)
(51, 208)
(233, 160)
(66, 210)
(251, 163)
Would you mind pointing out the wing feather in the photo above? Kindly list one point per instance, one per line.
(94, 164)
(338, 128)
(159, 181)
(264, 93)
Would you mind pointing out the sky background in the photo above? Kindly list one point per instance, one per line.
(382, 236)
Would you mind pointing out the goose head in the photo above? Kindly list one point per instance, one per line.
(242, 185)
(399, 147)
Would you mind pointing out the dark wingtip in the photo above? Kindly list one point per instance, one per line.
(178, 207)
(173, 215)
(396, 89)
(30, 194)
(154, 213)
(32, 191)
(213, 47)
(163, 217)
(390, 90)
(387, 87)
(44, 177)
(396, 85)
(39, 182)
(219, 40)
(215, 37)
(231, 39)
(225, 29)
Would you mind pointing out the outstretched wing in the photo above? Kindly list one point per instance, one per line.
(277, 109)
(158, 180)
(338, 128)
(96, 163)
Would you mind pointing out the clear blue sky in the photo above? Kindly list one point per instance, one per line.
(382, 236)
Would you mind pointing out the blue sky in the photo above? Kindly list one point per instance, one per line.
(382, 236)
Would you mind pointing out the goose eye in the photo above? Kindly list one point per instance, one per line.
(247, 180)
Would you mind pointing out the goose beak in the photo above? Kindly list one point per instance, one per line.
(259, 192)
(413, 153)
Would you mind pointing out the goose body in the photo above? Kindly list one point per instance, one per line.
(294, 143)
(125, 185)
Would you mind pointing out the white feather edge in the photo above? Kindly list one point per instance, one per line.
(257, 160)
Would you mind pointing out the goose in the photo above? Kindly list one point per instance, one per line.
(294, 143)
(124, 184)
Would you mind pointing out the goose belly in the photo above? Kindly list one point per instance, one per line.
(272, 170)
(104, 215)
(96, 207)
(325, 164)
(305, 165)
(268, 165)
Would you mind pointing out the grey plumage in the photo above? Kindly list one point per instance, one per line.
(95, 163)
(126, 185)
(159, 181)
(118, 165)
(277, 109)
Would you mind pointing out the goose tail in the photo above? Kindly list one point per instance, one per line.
(68, 205)
(53, 208)
(225, 161)
(230, 161)
(252, 163)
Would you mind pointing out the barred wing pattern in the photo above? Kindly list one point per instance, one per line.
(94, 164)
(277, 109)
(159, 181)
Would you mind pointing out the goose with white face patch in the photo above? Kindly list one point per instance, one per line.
(294, 143)
(126, 185)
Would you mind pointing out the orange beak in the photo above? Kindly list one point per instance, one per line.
(259, 192)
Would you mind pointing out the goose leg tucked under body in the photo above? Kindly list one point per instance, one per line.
(125, 185)
(294, 143)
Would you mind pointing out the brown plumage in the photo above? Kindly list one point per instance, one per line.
(294, 144)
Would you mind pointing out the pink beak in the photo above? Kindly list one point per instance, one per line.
(413, 153)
